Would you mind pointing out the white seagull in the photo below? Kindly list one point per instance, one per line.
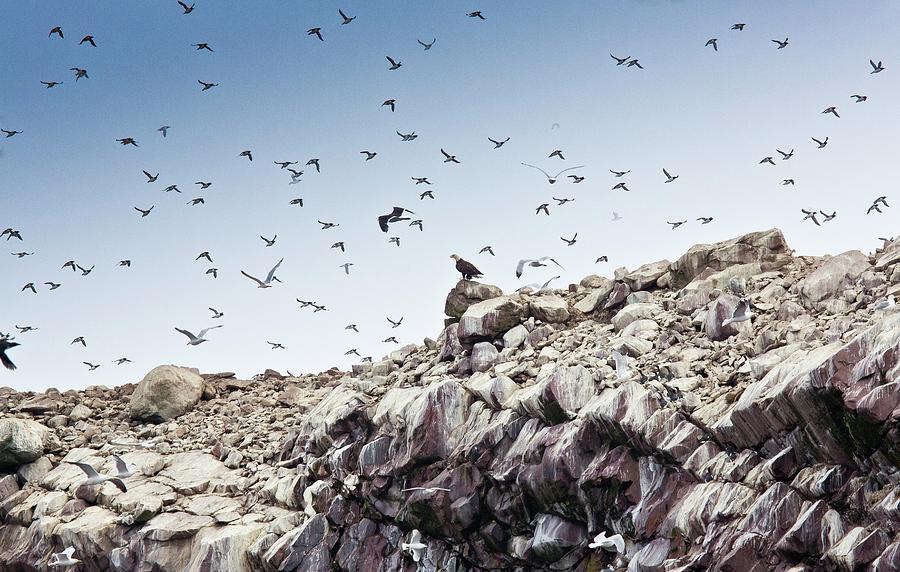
(123, 469)
(621, 365)
(63, 558)
(520, 267)
(95, 478)
(741, 313)
(415, 546)
(552, 179)
(884, 303)
(614, 543)
(269, 277)
(198, 339)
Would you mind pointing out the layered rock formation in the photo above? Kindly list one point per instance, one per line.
(770, 445)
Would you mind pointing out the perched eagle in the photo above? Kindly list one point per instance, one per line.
(467, 269)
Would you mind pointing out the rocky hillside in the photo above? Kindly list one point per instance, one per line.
(769, 444)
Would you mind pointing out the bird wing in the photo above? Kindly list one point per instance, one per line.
(553, 261)
(415, 537)
(521, 265)
(393, 63)
(257, 280)
(69, 552)
(564, 170)
(618, 541)
(545, 284)
(88, 470)
(121, 466)
(383, 222)
(203, 331)
(272, 272)
(539, 169)
(187, 333)
(121, 485)
(740, 310)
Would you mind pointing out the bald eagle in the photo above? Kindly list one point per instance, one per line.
(467, 269)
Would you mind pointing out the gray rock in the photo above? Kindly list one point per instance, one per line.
(491, 318)
(646, 276)
(549, 309)
(833, 276)
(484, 356)
(21, 441)
(466, 293)
(165, 393)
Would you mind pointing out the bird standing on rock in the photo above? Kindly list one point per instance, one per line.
(467, 269)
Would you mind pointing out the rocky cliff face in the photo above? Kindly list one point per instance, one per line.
(763, 445)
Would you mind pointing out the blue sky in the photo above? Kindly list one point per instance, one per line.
(707, 116)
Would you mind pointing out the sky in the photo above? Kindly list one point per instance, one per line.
(707, 116)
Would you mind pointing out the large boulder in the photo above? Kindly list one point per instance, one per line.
(549, 309)
(466, 293)
(596, 296)
(646, 276)
(833, 276)
(491, 318)
(166, 393)
(768, 248)
(21, 441)
(720, 310)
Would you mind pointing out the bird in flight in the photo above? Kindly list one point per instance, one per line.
(297, 201)
(427, 46)
(395, 324)
(80, 73)
(415, 546)
(269, 242)
(151, 178)
(669, 178)
(420, 180)
(89, 39)
(353, 327)
(787, 182)
(391, 339)
(216, 314)
(498, 144)
(213, 271)
(10, 233)
(128, 141)
(327, 225)
(171, 188)
(714, 43)
(285, 164)
(741, 313)
(533, 263)
(705, 219)
(394, 240)
(204, 254)
(10, 133)
(603, 258)
(489, 249)
(346, 266)
(79, 340)
(448, 158)
(347, 19)
(676, 224)
(197, 201)
(269, 277)
(57, 30)
(556, 153)
(781, 44)
(91, 366)
(248, 154)
(821, 143)
(859, 98)
(785, 156)
(542, 207)
(187, 9)
(207, 86)
(85, 272)
(50, 84)
(575, 178)
(63, 558)
(203, 185)
(476, 14)
(467, 269)
(738, 27)
(396, 215)
(340, 245)
(876, 68)
(276, 346)
(552, 178)
(418, 223)
(125, 263)
(429, 194)
(122, 360)
(369, 155)
(203, 46)
(199, 338)
(390, 103)
(570, 241)
(562, 201)
(394, 64)
(767, 160)
(620, 61)
(634, 63)
(143, 212)
(827, 217)
(832, 110)
(407, 136)
(619, 174)
(164, 130)
(22, 254)
(810, 215)
(29, 286)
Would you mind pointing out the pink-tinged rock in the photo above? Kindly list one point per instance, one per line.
(719, 310)
(857, 548)
(554, 537)
(833, 276)
(466, 293)
(597, 296)
(706, 503)
(814, 531)
(484, 356)
(773, 512)
(618, 296)
(768, 248)
(881, 403)
(632, 312)
(650, 558)
(556, 397)
(821, 480)
(491, 318)
(304, 548)
(646, 276)
(889, 560)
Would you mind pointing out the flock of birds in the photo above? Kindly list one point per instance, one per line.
(397, 214)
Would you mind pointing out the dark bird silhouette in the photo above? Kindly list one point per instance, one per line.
(390, 103)
(427, 46)
(246, 154)
(128, 141)
(80, 73)
(6, 344)
(197, 201)
(669, 178)
(620, 61)
(552, 178)
(767, 160)
(827, 217)
(785, 156)
(542, 207)
(164, 130)
(50, 84)
(876, 68)
(619, 173)
(467, 269)
(738, 27)
(369, 154)
(859, 98)
(395, 215)
(151, 178)
(52, 285)
(781, 44)
(570, 241)
(143, 212)
(204, 254)
(429, 194)
(676, 224)
(187, 9)
(203, 46)
(556, 153)
(705, 219)
(394, 64)
(347, 19)
(489, 249)
(89, 39)
(317, 32)
(498, 144)
(821, 143)
(476, 14)
(57, 30)
(207, 86)
(810, 215)
(832, 110)
(714, 43)
(448, 158)
(29, 286)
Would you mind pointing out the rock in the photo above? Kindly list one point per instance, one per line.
(595, 297)
(21, 441)
(554, 536)
(80, 413)
(484, 356)
(490, 318)
(633, 312)
(719, 310)
(515, 337)
(34, 471)
(549, 309)
(165, 393)
(768, 248)
(467, 293)
(646, 275)
(833, 276)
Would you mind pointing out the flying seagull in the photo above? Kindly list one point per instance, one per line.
(123, 469)
(603, 258)
(619, 173)
(143, 212)
(203, 185)
(128, 141)
(394, 240)
(390, 103)
(339, 244)
(415, 546)
(63, 558)
(714, 43)
(621, 365)
(785, 156)
(498, 144)
(276, 346)
(552, 179)
(876, 67)
(534, 263)
(204, 254)
(327, 225)
(556, 153)
(395, 215)
(187, 9)
(89, 39)
(467, 269)
(369, 154)
(269, 277)
(56, 30)
(199, 338)
(621, 186)
(248, 154)
(741, 313)
(164, 130)
(427, 46)
(80, 73)
(203, 46)
(395, 324)
(346, 266)
(216, 314)
(488, 249)
(536, 286)
(884, 303)
(79, 340)
(51, 84)
(768, 160)
(317, 32)
(122, 360)
(821, 143)
(207, 86)
(269, 242)
(810, 215)
(832, 110)
(620, 61)
(347, 19)
(429, 194)
(542, 207)
(669, 178)
(781, 44)
(859, 98)
(575, 178)
(351, 327)
(614, 543)
(448, 158)
(676, 224)
(6, 344)
(476, 14)
(151, 178)
(394, 64)
(827, 217)
(705, 219)
(738, 27)
(420, 180)
(570, 241)
(95, 478)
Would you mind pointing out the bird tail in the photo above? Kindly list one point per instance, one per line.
(726, 321)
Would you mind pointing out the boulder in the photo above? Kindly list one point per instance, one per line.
(833, 276)
(21, 441)
(646, 276)
(719, 310)
(165, 393)
(491, 318)
(484, 356)
(634, 312)
(466, 293)
(595, 297)
(768, 248)
(549, 309)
